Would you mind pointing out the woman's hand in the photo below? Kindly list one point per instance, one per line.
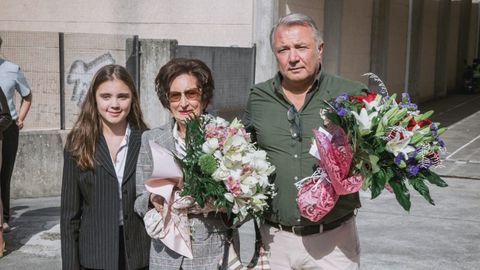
(157, 201)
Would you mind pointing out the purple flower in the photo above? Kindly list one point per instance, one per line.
(413, 169)
(433, 129)
(406, 102)
(440, 142)
(405, 98)
(341, 97)
(426, 163)
(341, 111)
(398, 159)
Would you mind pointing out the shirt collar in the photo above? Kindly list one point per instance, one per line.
(277, 81)
(126, 139)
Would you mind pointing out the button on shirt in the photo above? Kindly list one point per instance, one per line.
(266, 118)
(119, 165)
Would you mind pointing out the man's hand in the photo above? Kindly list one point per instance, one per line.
(19, 123)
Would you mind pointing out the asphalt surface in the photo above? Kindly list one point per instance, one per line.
(444, 236)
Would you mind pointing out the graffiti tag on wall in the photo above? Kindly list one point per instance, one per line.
(81, 74)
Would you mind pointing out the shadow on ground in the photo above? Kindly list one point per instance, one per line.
(26, 224)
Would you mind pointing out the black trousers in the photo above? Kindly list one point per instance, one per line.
(9, 153)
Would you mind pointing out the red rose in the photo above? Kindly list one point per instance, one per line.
(368, 98)
(425, 122)
(411, 124)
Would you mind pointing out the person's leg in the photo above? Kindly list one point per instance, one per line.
(2, 242)
(121, 253)
(335, 249)
(9, 152)
(281, 247)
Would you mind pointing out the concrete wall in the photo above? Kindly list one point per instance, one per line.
(39, 164)
(200, 22)
(155, 53)
(85, 54)
(37, 54)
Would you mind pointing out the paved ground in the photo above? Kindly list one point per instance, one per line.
(445, 236)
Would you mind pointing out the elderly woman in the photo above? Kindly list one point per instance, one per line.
(185, 88)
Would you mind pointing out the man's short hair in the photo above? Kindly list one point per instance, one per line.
(296, 19)
(1, 41)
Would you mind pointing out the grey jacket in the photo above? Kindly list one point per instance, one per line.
(208, 234)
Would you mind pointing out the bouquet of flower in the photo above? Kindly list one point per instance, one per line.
(222, 166)
(394, 144)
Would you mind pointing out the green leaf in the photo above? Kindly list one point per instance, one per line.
(378, 183)
(433, 178)
(374, 163)
(420, 186)
(401, 194)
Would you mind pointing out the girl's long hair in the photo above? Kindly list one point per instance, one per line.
(83, 138)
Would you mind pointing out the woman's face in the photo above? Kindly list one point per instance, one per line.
(114, 100)
(185, 97)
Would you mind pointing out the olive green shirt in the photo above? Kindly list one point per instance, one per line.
(266, 119)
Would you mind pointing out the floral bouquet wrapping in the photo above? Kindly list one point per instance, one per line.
(222, 166)
(317, 194)
(394, 144)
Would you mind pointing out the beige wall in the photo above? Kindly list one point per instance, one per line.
(312, 8)
(473, 36)
(453, 45)
(397, 46)
(199, 22)
(355, 39)
(424, 87)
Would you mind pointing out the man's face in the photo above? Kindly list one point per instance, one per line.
(298, 55)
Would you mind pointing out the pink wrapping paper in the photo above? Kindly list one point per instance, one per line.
(171, 225)
(316, 198)
(318, 194)
(335, 158)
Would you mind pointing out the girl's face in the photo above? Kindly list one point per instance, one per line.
(114, 100)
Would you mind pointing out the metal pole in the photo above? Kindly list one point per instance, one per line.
(136, 53)
(61, 51)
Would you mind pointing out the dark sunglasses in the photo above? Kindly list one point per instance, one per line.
(190, 94)
(295, 126)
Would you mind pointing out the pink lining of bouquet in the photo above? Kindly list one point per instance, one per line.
(318, 193)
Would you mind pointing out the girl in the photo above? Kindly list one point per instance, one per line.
(99, 228)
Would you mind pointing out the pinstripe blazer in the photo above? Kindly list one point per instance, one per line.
(90, 204)
(208, 234)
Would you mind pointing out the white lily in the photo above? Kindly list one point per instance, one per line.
(376, 104)
(398, 145)
(210, 146)
(364, 120)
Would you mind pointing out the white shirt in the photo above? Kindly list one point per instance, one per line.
(12, 79)
(179, 141)
(119, 165)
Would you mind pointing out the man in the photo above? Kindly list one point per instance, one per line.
(11, 79)
(281, 114)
